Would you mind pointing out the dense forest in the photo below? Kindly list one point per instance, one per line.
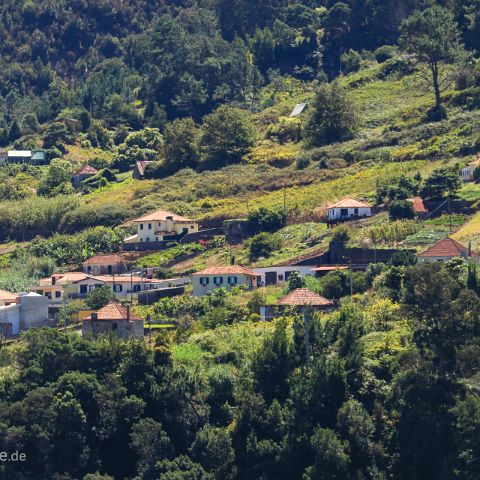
(183, 58)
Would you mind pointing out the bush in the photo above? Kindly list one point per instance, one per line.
(350, 61)
(263, 245)
(303, 161)
(265, 220)
(83, 217)
(99, 297)
(288, 129)
(401, 209)
(384, 53)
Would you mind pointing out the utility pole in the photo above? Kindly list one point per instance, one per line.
(306, 329)
(284, 207)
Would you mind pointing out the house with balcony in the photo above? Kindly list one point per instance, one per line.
(156, 229)
(223, 277)
(62, 287)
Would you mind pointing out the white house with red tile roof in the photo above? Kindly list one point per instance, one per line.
(444, 250)
(116, 318)
(348, 208)
(222, 277)
(102, 264)
(162, 225)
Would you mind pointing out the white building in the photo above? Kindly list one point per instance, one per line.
(30, 311)
(280, 274)
(162, 225)
(468, 172)
(445, 250)
(349, 208)
(222, 277)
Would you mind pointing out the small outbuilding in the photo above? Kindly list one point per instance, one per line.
(83, 174)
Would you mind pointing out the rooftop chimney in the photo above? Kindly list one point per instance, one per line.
(54, 280)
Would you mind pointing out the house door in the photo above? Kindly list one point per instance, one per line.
(270, 278)
(344, 212)
(109, 269)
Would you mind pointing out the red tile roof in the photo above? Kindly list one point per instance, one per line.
(350, 203)
(418, 205)
(114, 311)
(227, 270)
(304, 297)
(4, 295)
(446, 248)
(329, 268)
(86, 170)
(161, 215)
(104, 259)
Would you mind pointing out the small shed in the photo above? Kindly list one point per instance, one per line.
(348, 208)
(139, 170)
(83, 174)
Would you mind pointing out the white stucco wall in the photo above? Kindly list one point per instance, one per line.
(336, 213)
(146, 234)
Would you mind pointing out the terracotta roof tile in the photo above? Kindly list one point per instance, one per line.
(418, 205)
(161, 215)
(4, 295)
(227, 270)
(102, 259)
(142, 165)
(446, 248)
(86, 170)
(114, 311)
(349, 203)
(304, 297)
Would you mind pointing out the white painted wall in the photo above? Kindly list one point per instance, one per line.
(336, 213)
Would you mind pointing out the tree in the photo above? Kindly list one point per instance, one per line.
(181, 149)
(401, 209)
(333, 117)
(265, 220)
(99, 297)
(57, 179)
(434, 38)
(296, 281)
(227, 136)
(14, 132)
(55, 134)
(331, 457)
(150, 443)
(440, 183)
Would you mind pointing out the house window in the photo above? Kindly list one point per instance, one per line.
(58, 294)
(192, 227)
(204, 281)
(141, 226)
(149, 226)
(217, 280)
(83, 289)
(114, 326)
(136, 288)
(355, 212)
(344, 212)
(89, 269)
(118, 288)
(109, 269)
(232, 280)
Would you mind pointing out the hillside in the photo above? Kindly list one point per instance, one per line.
(338, 338)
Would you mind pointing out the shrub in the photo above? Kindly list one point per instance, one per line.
(99, 297)
(350, 61)
(288, 129)
(401, 209)
(263, 245)
(303, 161)
(265, 220)
(384, 53)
